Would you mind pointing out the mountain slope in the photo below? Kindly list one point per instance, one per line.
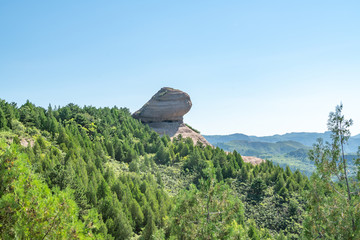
(124, 181)
(259, 148)
(284, 153)
(305, 138)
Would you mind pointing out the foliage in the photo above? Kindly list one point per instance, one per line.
(29, 209)
(195, 130)
(334, 201)
(205, 213)
(120, 180)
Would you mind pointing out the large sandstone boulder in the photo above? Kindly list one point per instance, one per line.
(164, 114)
(167, 105)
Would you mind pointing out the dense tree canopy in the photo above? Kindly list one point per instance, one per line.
(71, 172)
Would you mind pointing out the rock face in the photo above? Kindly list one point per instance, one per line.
(253, 160)
(164, 114)
(173, 129)
(167, 105)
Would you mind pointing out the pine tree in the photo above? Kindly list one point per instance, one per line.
(257, 188)
(279, 184)
(137, 215)
(3, 121)
(332, 201)
(150, 227)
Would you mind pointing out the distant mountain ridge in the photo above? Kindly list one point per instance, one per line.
(305, 138)
(258, 149)
(290, 149)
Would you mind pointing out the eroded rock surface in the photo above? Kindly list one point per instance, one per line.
(164, 114)
(167, 105)
(173, 129)
(252, 160)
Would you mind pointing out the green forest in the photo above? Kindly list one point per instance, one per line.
(96, 173)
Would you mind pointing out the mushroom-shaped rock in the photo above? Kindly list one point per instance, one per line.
(167, 105)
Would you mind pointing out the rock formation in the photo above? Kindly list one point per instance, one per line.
(173, 129)
(164, 114)
(167, 105)
(252, 160)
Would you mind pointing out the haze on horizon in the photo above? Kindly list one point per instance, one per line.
(259, 68)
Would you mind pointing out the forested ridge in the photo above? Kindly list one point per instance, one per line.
(85, 172)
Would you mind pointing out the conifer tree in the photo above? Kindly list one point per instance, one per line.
(333, 201)
(150, 227)
(136, 214)
(3, 121)
(279, 184)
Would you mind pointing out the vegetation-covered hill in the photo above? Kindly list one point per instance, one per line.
(284, 153)
(262, 148)
(305, 138)
(97, 173)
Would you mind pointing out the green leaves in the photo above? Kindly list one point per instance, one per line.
(333, 205)
(207, 212)
(3, 120)
(98, 173)
(29, 210)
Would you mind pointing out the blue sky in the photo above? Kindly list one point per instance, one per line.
(253, 67)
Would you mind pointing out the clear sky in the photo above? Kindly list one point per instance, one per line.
(253, 67)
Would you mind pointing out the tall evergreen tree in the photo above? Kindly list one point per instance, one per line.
(333, 201)
(3, 121)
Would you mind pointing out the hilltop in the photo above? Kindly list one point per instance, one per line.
(103, 174)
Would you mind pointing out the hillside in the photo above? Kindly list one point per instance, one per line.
(305, 138)
(98, 173)
(261, 148)
(286, 153)
(290, 149)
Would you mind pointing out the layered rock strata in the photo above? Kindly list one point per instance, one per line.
(167, 105)
(164, 114)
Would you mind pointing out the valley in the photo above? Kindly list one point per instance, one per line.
(290, 149)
